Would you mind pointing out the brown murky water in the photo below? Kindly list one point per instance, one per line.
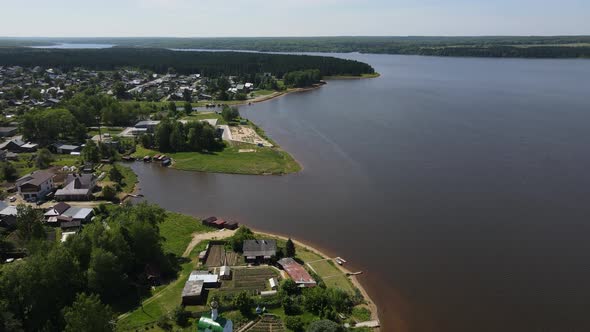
(459, 186)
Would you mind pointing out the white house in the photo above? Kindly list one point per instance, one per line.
(35, 186)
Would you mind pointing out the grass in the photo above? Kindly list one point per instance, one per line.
(349, 77)
(129, 177)
(26, 162)
(205, 115)
(361, 314)
(262, 161)
(153, 308)
(113, 131)
(332, 276)
(177, 231)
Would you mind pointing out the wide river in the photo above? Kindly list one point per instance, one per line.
(460, 186)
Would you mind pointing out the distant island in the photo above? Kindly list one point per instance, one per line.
(481, 46)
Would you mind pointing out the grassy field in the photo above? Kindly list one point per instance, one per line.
(177, 231)
(230, 160)
(129, 177)
(26, 162)
(205, 115)
(343, 77)
(112, 131)
(332, 276)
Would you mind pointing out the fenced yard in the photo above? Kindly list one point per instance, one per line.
(251, 279)
(218, 256)
(332, 275)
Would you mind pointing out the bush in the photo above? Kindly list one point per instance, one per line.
(109, 193)
(180, 316)
(294, 323)
(164, 323)
(324, 326)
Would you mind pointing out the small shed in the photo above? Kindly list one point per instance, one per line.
(274, 284)
(225, 273)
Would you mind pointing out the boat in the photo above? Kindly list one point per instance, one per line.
(166, 162)
(147, 159)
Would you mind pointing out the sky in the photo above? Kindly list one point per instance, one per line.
(258, 18)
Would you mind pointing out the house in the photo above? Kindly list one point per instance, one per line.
(259, 250)
(3, 155)
(66, 148)
(192, 291)
(78, 187)
(8, 215)
(13, 145)
(297, 272)
(35, 186)
(29, 147)
(78, 213)
(147, 125)
(8, 131)
(56, 211)
(69, 225)
(209, 280)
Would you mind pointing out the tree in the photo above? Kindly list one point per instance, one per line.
(8, 171)
(87, 313)
(109, 193)
(90, 152)
(43, 159)
(187, 95)
(188, 108)
(119, 90)
(244, 303)
(294, 323)
(290, 307)
(147, 140)
(290, 248)
(105, 274)
(324, 326)
(180, 316)
(177, 137)
(237, 240)
(162, 138)
(28, 223)
(289, 287)
(230, 114)
(115, 174)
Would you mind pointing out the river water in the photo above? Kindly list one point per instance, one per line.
(460, 186)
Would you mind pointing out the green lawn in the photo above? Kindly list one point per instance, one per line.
(26, 162)
(230, 160)
(332, 275)
(205, 115)
(129, 177)
(113, 131)
(177, 231)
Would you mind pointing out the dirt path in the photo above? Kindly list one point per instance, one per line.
(198, 237)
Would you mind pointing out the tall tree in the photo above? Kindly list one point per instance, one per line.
(43, 159)
(90, 152)
(290, 248)
(87, 313)
(29, 223)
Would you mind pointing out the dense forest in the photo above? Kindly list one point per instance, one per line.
(161, 60)
(489, 46)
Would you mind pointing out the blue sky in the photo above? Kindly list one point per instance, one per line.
(211, 18)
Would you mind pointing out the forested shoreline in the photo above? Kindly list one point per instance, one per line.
(480, 46)
(161, 60)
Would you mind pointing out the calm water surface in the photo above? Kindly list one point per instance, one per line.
(460, 186)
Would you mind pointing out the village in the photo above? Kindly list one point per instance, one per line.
(24, 88)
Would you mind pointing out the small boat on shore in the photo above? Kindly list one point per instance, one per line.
(127, 158)
(147, 159)
(166, 162)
